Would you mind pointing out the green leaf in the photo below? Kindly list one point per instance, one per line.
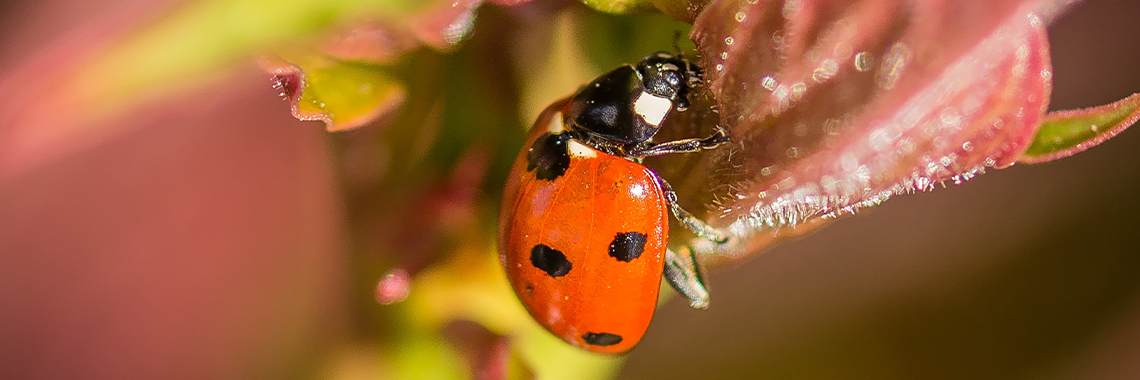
(343, 94)
(1065, 133)
(620, 6)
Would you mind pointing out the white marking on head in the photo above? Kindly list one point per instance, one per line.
(580, 150)
(652, 108)
(555, 125)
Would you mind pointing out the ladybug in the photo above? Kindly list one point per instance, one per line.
(584, 225)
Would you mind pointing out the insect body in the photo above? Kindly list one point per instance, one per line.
(584, 226)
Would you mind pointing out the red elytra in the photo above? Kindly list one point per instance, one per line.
(584, 250)
(584, 225)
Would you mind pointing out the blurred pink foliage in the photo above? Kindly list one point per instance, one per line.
(211, 226)
(199, 236)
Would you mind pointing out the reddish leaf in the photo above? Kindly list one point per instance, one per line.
(446, 23)
(370, 42)
(836, 106)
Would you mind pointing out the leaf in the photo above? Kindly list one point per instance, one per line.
(445, 23)
(838, 106)
(1065, 133)
(344, 95)
(619, 6)
(343, 80)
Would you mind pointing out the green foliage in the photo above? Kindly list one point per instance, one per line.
(620, 6)
(1068, 132)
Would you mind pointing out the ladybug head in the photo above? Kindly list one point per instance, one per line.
(669, 76)
(628, 105)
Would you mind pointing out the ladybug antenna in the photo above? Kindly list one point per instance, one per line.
(695, 73)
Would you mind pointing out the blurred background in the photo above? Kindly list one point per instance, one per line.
(193, 228)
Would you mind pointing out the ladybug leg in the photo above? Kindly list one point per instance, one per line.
(687, 219)
(682, 270)
(683, 146)
(684, 274)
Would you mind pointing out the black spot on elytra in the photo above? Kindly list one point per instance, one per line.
(627, 246)
(548, 157)
(550, 260)
(601, 339)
